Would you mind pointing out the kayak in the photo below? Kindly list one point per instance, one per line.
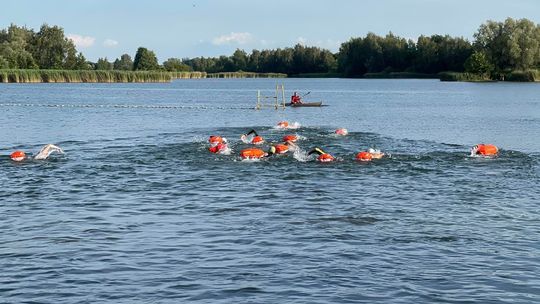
(304, 104)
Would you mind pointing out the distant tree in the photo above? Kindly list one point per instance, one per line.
(124, 63)
(478, 63)
(15, 46)
(145, 60)
(51, 49)
(254, 61)
(175, 65)
(103, 64)
(239, 60)
(4, 64)
(508, 45)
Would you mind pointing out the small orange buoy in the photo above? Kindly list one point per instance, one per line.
(214, 140)
(252, 153)
(342, 131)
(290, 138)
(283, 124)
(281, 149)
(485, 149)
(364, 156)
(18, 156)
(325, 158)
(257, 140)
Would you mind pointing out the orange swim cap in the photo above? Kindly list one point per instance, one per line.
(364, 156)
(214, 140)
(17, 156)
(281, 149)
(484, 149)
(257, 140)
(291, 138)
(252, 153)
(283, 124)
(324, 158)
(342, 131)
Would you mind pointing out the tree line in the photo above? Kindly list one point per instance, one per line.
(498, 47)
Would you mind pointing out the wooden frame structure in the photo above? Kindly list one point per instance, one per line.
(277, 101)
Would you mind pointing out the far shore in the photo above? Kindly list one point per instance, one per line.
(114, 76)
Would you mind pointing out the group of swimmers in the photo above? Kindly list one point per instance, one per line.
(219, 145)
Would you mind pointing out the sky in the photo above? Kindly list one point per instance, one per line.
(192, 28)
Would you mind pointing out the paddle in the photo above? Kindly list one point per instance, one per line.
(306, 94)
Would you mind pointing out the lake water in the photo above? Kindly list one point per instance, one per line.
(138, 210)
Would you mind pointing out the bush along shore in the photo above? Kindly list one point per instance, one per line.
(241, 74)
(517, 76)
(91, 76)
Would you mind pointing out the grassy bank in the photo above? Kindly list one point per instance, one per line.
(245, 75)
(523, 76)
(317, 75)
(188, 75)
(454, 76)
(517, 76)
(54, 76)
(400, 75)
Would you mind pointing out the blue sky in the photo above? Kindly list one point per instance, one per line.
(217, 27)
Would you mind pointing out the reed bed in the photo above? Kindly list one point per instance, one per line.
(245, 75)
(523, 76)
(454, 76)
(77, 76)
(188, 75)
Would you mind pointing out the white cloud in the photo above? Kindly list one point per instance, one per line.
(110, 43)
(81, 41)
(239, 38)
(301, 40)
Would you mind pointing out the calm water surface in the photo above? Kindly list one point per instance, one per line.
(138, 211)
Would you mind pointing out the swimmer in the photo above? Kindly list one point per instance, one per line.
(364, 156)
(256, 140)
(220, 148)
(376, 153)
(44, 153)
(323, 156)
(215, 140)
(285, 147)
(283, 124)
(484, 150)
(369, 155)
(290, 138)
(341, 131)
(256, 153)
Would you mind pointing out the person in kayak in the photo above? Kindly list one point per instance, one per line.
(256, 140)
(296, 99)
(19, 156)
(323, 156)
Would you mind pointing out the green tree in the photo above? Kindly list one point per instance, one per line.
(124, 63)
(239, 60)
(15, 45)
(176, 65)
(145, 60)
(509, 45)
(478, 63)
(103, 64)
(52, 50)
